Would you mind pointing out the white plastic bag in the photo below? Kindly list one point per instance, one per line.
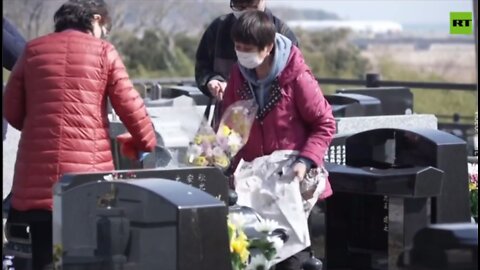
(268, 185)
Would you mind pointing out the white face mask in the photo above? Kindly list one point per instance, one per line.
(237, 14)
(249, 60)
(104, 34)
(100, 31)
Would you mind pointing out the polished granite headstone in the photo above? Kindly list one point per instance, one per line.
(351, 125)
(146, 223)
(336, 154)
(394, 100)
(395, 183)
(452, 246)
(354, 105)
(209, 179)
(185, 90)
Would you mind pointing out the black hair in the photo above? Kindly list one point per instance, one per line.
(78, 14)
(254, 28)
(242, 3)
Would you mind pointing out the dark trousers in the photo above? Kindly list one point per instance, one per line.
(4, 124)
(295, 262)
(40, 227)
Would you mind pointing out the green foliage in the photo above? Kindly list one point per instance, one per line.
(474, 203)
(330, 54)
(156, 54)
(188, 44)
(439, 102)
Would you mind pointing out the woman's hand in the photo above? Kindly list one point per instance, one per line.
(217, 88)
(300, 169)
(127, 146)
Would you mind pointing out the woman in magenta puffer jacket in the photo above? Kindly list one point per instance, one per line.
(293, 113)
(57, 97)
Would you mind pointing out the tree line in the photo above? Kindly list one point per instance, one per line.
(160, 38)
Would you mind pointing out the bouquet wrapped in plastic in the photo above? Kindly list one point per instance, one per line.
(269, 185)
(217, 149)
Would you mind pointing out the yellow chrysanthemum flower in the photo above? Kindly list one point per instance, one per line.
(200, 161)
(198, 139)
(225, 131)
(244, 255)
(210, 138)
(472, 186)
(240, 246)
(221, 161)
(232, 231)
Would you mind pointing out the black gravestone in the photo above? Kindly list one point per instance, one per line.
(395, 100)
(382, 197)
(140, 224)
(208, 179)
(348, 105)
(185, 90)
(443, 246)
(419, 147)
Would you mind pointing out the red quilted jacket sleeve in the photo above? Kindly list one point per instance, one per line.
(14, 96)
(128, 104)
(317, 113)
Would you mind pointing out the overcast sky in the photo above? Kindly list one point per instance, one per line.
(402, 11)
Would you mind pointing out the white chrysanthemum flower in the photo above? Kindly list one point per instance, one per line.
(234, 139)
(196, 150)
(218, 152)
(276, 241)
(266, 226)
(193, 152)
(472, 168)
(258, 262)
(237, 219)
(108, 177)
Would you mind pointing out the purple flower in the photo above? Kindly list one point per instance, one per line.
(222, 142)
(205, 146)
(218, 152)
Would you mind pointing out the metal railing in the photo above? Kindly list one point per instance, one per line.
(371, 80)
(333, 81)
(410, 84)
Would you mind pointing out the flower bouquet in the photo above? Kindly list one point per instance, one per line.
(473, 188)
(217, 149)
(256, 251)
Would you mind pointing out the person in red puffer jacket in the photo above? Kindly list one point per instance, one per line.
(293, 113)
(57, 97)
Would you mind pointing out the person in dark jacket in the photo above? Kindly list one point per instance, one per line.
(13, 45)
(216, 54)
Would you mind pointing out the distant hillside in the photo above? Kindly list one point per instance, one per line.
(197, 15)
(34, 17)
